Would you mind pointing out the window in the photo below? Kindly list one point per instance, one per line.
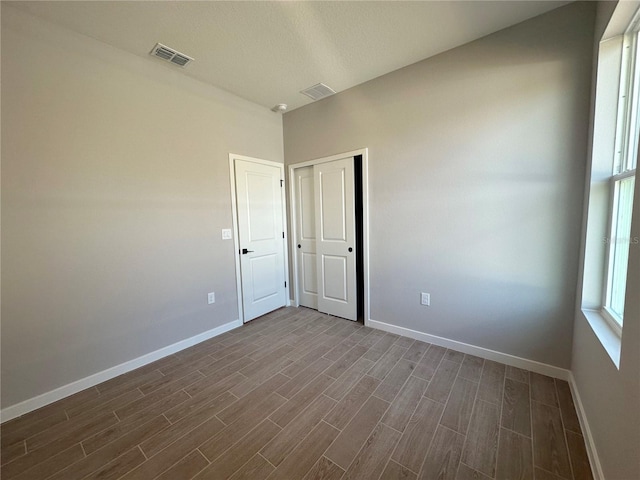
(622, 182)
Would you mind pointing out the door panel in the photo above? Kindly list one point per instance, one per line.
(333, 205)
(307, 205)
(309, 275)
(264, 276)
(261, 216)
(306, 237)
(335, 231)
(334, 270)
(260, 233)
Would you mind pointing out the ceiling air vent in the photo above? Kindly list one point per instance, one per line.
(170, 55)
(318, 91)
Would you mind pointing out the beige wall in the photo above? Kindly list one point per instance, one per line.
(477, 160)
(115, 185)
(611, 396)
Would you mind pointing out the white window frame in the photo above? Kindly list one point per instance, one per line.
(625, 157)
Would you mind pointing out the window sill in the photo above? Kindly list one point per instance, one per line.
(609, 338)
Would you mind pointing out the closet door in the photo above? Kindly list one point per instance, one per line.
(336, 237)
(306, 237)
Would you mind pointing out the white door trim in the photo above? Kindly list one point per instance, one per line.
(365, 218)
(234, 214)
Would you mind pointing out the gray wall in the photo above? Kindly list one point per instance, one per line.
(611, 396)
(477, 163)
(115, 185)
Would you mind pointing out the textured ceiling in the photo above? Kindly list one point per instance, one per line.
(267, 52)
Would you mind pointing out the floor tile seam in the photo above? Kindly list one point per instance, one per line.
(421, 356)
(188, 394)
(94, 408)
(468, 379)
(80, 426)
(124, 385)
(475, 396)
(511, 430)
(533, 429)
(151, 405)
(562, 414)
(211, 360)
(272, 351)
(171, 425)
(388, 372)
(381, 422)
(473, 410)
(85, 457)
(564, 431)
(504, 389)
(439, 423)
(473, 469)
(300, 441)
(303, 347)
(162, 472)
(255, 376)
(435, 370)
(219, 359)
(172, 444)
(204, 391)
(461, 451)
(382, 470)
(198, 410)
(364, 444)
(142, 452)
(550, 472)
(17, 442)
(172, 382)
(240, 467)
(123, 434)
(343, 374)
(266, 459)
(401, 387)
(255, 388)
(229, 447)
(329, 412)
(530, 390)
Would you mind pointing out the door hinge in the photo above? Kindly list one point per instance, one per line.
(282, 234)
(281, 183)
(285, 284)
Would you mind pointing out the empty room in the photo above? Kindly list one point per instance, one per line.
(331, 240)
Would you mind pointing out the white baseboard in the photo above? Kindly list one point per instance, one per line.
(505, 358)
(61, 392)
(592, 453)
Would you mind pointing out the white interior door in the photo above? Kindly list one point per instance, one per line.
(306, 237)
(336, 237)
(260, 236)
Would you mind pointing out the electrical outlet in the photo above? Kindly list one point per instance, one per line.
(226, 234)
(425, 299)
(211, 298)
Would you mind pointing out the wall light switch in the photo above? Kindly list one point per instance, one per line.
(425, 299)
(211, 298)
(226, 234)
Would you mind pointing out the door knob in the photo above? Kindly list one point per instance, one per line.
(299, 246)
(350, 249)
(245, 251)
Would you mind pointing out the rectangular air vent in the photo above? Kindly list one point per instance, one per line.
(318, 91)
(170, 55)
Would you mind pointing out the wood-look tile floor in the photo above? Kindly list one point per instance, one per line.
(301, 395)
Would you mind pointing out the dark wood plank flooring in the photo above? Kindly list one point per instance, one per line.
(301, 395)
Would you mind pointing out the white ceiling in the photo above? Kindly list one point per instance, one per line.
(267, 52)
